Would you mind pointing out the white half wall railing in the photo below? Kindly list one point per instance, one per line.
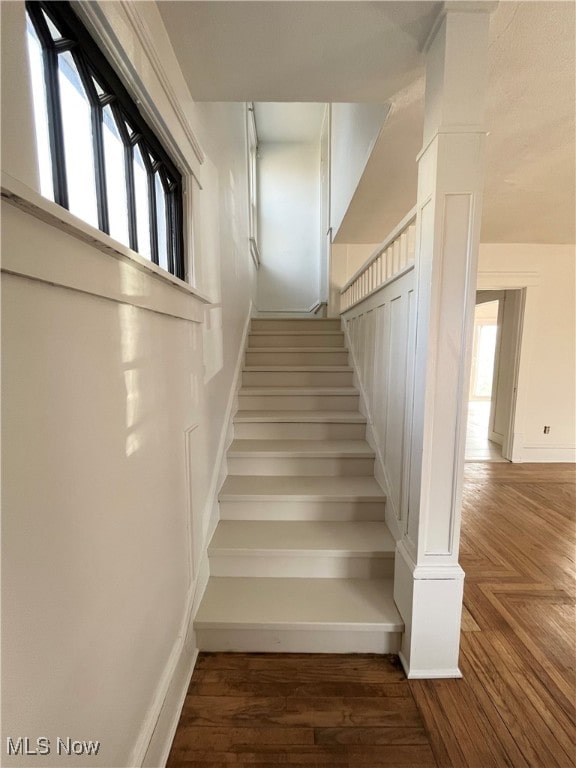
(379, 312)
(393, 257)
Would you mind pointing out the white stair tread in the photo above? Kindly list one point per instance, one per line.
(258, 391)
(293, 603)
(299, 488)
(323, 417)
(276, 350)
(298, 368)
(312, 538)
(287, 316)
(300, 448)
(296, 332)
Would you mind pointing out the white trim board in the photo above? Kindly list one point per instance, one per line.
(168, 679)
(164, 292)
(98, 23)
(212, 511)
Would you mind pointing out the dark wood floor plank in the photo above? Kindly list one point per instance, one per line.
(370, 736)
(305, 690)
(224, 739)
(443, 740)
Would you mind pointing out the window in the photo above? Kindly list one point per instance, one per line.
(253, 182)
(97, 155)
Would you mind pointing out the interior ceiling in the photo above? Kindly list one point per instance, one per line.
(369, 51)
(297, 51)
(289, 122)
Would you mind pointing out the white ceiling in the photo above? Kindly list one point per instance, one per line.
(297, 51)
(289, 122)
(369, 51)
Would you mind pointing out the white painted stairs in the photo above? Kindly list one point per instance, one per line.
(301, 559)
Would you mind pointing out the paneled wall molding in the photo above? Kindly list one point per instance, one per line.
(380, 336)
(450, 130)
(380, 472)
(96, 17)
(428, 570)
(127, 277)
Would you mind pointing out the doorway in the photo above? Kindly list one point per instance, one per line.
(493, 379)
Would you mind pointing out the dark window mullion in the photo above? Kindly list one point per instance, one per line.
(131, 196)
(99, 160)
(178, 229)
(97, 142)
(153, 216)
(169, 196)
(55, 127)
(172, 226)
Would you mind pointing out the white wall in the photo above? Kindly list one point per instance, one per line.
(289, 220)
(354, 131)
(117, 382)
(547, 373)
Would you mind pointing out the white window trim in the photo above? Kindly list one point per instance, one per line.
(48, 269)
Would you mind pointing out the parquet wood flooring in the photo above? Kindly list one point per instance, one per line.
(514, 706)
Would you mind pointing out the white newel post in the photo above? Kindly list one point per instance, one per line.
(428, 580)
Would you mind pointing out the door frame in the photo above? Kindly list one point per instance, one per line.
(528, 283)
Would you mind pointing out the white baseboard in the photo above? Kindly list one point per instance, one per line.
(168, 699)
(541, 454)
(428, 674)
(161, 741)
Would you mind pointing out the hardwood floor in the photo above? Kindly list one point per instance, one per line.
(513, 707)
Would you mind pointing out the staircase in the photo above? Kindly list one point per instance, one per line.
(301, 559)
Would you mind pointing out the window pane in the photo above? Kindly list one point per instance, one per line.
(161, 219)
(76, 119)
(115, 178)
(98, 87)
(55, 33)
(40, 113)
(142, 204)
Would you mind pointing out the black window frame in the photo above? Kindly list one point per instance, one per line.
(93, 66)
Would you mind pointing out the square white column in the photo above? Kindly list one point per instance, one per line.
(428, 580)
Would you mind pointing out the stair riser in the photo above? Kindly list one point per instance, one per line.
(297, 641)
(261, 324)
(298, 402)
(296, 340)
(298, 431)
(306, 466)
(338, 511)
(297, 378)
(294, 566)
(274, 357)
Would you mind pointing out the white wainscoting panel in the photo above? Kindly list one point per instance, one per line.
(380, 333)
